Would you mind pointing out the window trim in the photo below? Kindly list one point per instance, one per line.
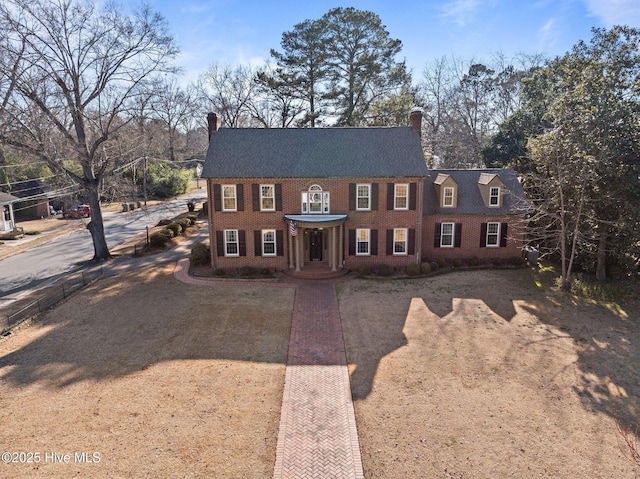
(274, 242)
(496, 234)
(368, 196)
(496, 197)
(272, 197)
(405, 241)
(396, 197)
(445, 197)
(452, 235)
(305, 199)
(367, 242)
(235, 198)
(227, 243)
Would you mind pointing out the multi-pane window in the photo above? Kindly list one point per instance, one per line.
(362, 241)
(267, 198)
(229, 198)
(401, 197)
(494, 196)
(315, 200)
(447, 196)
(268, 242)
(400, 241)
(493, 234)
(363, 197)
(446, 235)
(231, 247)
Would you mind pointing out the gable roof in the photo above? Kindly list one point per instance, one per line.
(314, 153)
(6, 198)
(469, 197)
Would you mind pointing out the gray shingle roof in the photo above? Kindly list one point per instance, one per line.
(469, 198)
(314, 153)
(6, 198)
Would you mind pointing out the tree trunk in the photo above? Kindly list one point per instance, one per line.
(601, 267)
(96, 226)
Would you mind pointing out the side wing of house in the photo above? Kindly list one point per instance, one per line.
(473, 213)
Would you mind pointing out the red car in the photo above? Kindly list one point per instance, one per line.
(80, 211)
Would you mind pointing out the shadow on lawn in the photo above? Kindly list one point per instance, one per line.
(605, 338)
(120, 326)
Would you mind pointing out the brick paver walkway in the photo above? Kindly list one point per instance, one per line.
(318, 436)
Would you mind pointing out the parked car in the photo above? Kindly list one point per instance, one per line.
(80, 211)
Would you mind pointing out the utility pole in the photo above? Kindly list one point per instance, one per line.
(144, 179)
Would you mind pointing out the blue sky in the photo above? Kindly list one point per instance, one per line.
(243, 31)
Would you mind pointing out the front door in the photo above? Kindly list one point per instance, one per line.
(315, 246)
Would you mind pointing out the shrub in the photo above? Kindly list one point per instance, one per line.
(185, 223)
(159, 239)
(413, 270)
(442, 262)
(456, 262)
(192, 219)
(364, 270)
(175, 227)
(474, 261)
(425, 268)
(164, 222)
(384, 270)
(219, 272)
(168, 233)
(200, 255)
(435, 266)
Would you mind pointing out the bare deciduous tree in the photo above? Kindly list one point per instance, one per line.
(75, 70)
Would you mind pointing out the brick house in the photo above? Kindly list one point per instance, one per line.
(338, 197)
(474, 213)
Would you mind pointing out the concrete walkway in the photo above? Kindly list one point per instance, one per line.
(318, 436)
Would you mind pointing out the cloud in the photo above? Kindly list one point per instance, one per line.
(615, 12)
(460, 11)
(548, 34)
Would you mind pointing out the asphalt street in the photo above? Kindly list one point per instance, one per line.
(44, 264)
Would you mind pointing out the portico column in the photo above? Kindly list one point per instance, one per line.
(333, 249)
(299, 248)
(341, 245)
(290, 240)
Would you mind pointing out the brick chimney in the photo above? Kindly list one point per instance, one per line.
(214, 122)
(415, 121)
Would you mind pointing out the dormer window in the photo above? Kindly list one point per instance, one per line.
(447, 197)
(315, 201)
(494, 196)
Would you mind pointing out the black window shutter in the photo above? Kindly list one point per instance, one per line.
(503, 235)
(278, 196)
(240, 197)
(255, 196)
(483, 235)
(436, 236)
(411, 246)
(373, 242)
(413, 187)
(257, 242)
(389, 242)
(352, 242)
(390, 196)
(352, 196)
(279, 243)
(374, 196)
(458, 235)
(217, 197)
(220, 242)
(242, 243)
